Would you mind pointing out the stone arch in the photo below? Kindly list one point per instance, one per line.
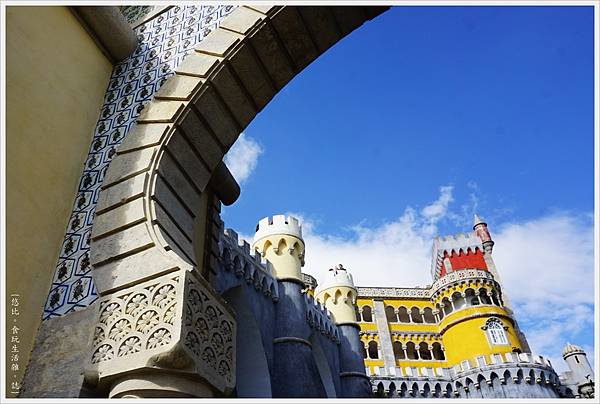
(403, 390)
(448, 391)
(426, 390)
(414, 390)
(392, 390)
(152, 208)
(437, 391)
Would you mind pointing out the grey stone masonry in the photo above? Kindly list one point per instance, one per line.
(385, 338)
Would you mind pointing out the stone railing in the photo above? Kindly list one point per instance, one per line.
(405, 293)
(459, 276)
(426, 293)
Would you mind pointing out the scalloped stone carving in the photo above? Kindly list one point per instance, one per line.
(174, 322)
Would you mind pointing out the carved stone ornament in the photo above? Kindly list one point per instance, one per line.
(175, 322)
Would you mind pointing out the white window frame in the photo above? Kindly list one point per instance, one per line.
(495, 331)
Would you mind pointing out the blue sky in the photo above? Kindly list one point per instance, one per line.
(423, 116)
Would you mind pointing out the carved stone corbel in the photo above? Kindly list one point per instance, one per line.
(169, 336)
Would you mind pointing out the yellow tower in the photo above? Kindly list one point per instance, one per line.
(473, 319)
(279, 240)
(338, 294)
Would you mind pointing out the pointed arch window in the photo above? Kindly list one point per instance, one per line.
(496, 331)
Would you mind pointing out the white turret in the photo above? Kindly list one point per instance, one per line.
(338, 294)
(279, 240)
(581, 373)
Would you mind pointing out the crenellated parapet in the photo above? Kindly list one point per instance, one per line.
(237, 256)
(319, 318)
(489, 376)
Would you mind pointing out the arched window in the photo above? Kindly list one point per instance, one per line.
(459, 300)
(416, 315)
(391, 314)
(398, 351)
(367, 315)
(428, 315)
(357, 313)
(411, 351)
(447, 305)
(424, 352)
(373, 354)
(438, 353)
(495, 298)
(483, 295)
(495, 332)
(470, 297)
(403, 315)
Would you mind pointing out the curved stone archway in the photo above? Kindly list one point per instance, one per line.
(152, 192)
(156, 230)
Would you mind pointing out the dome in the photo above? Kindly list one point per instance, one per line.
(571, 349)
(335, 277)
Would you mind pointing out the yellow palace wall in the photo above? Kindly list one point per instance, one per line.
(459, 332)
(56, 78)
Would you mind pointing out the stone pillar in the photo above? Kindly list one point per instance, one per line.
(477, 296)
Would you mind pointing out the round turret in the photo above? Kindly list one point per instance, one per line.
(279, 240)
(338, 294)
(581, 373)
(571, 349)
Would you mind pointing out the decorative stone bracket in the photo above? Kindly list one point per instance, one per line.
(174, 324)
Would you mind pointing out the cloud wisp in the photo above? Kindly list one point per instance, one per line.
(242, 158)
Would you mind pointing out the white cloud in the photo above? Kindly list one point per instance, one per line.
(546, 264)
(243, 157)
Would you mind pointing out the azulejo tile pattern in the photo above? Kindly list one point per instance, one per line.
(163, 43)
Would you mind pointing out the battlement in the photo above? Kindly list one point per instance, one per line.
(450, 243)
(278, 224)
(233, 239)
